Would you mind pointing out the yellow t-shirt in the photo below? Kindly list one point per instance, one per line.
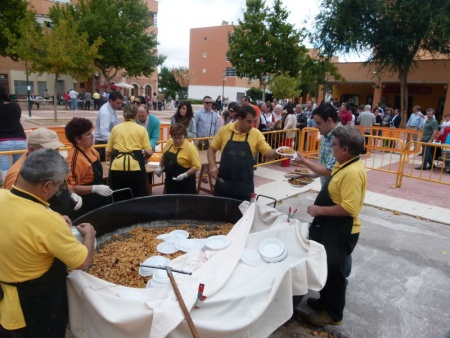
(188, 155)
(348, 188)
(127, 137)
(96, 96)
(255, 139)
(32, 236)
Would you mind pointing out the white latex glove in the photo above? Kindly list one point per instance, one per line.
(180, 177)
(102, 190)
(158, 171)
(77, 199)
(295, 156)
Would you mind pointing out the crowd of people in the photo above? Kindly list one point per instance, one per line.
(43, 191)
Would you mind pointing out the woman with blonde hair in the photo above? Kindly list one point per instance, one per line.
(127, 150)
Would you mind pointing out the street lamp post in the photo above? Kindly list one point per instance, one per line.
(224, 78)
(28, 89)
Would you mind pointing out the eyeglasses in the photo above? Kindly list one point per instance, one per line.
(207, 102)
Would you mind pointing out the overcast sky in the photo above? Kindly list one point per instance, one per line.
(177, 17)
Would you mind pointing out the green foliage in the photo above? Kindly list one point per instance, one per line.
(254, 93)
(394, 31)
(12, 14)
(264, 44)
(168, 84)
(124, 25)
(318, 72)
(284, 86)
(60, 51)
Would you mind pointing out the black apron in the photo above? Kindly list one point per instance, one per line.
(91, 201)
(236, 171)
(135, 180)
(44, 300)
(173, 169)
(335, 234)
(61, 201)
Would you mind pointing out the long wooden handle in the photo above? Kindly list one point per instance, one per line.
(183, 307)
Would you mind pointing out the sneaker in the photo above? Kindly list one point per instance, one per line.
(322, 318)
(315, 304)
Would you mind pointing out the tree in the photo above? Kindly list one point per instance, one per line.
(264, 45)
(254, 93)
(184, 77)
(169, 86)
(47, 51)
(124, 25)
(11, 18)
(318, 71)
(395, 32)
(284, 86)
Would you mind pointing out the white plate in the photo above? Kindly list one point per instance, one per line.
(131, 294)
(200, 241)
(183, 233)
(161, 277)
(271, 248)
(187, 245)
(155, 261)
(285, 155)
(162, 237)
(173, 238)
(277, 259)
(251, 257)
(166, 248)
(296, 186)
(217, 242)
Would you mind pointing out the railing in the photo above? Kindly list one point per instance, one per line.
(385, 152)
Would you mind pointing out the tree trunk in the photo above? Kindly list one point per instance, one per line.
(55, 100)
(403, 98)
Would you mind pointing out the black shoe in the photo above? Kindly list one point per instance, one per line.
(423, 168)
(315, 304)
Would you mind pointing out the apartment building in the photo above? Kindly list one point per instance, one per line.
(428, 83)
(213, 73)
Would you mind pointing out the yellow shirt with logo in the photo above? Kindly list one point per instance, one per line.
(255, 139)
(348, 188)
(126, 138)
(32, 236)
(187, 157)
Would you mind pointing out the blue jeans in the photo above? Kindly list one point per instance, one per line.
(73, 104)
(427, 159)
(8, 146)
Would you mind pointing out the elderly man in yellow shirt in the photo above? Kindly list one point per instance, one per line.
(336, 224)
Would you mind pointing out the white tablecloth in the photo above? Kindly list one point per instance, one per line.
(242, 301)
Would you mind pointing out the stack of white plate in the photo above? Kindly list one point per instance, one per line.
(159, 278)
(155, 261)
(217, 242)
(272, 250)
(187, 245)
(251, 257)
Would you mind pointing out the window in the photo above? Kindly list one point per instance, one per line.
(42, 86)
(204, 55)
(20, 87)
(154, 19)
(230, 71)
(228, 58)
(205, 39)
(60, 87)
(204, 71)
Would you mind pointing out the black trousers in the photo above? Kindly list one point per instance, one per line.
(135, 180)
(87, 105)
(101, 151)
(338, 246)
(19, 333)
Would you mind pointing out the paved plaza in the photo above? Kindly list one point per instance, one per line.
(399, 283)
